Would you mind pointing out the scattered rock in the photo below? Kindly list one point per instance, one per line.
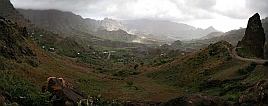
(254, 38)
(196, 100)
(65, 92)
(4, 96)
(256, 95)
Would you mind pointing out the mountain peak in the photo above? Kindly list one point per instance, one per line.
(210, 28)
(254, 37)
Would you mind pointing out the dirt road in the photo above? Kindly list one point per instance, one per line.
(233, 53)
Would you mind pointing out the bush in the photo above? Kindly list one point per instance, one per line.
(248, 69)
(129, 83)
(124, 73)
(265, 63)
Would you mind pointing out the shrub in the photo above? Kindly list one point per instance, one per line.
(248, 69)
(129, 83)
(136, 66)
(265, 63)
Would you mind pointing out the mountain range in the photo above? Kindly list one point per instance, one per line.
(160, 30)
(115, 66)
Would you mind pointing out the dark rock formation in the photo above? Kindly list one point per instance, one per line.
(65, 92)
(196, 100)
(254, 38)
(4, 96)
(256, 95)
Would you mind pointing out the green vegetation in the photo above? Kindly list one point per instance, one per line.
(248, 69)
(124, 73)
(23, 92)
(98, 101)
(244, 53)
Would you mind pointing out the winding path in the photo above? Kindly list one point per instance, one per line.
(233, 53)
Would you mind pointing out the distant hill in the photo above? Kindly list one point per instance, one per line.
(56, 21)
(67, 23)
(212, 35)
(265, 20)
(166, 30)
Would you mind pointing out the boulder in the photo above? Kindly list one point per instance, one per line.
(4, 96)
(65, 92)
(254, 38)
(256, 95)
(196, 100)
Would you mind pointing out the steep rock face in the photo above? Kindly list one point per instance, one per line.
(254, 38)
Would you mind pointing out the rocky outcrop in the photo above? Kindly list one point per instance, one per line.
(196, 100)
(256, 95)
(65, 92)
(254, 38)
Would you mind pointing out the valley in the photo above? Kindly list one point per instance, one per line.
(52, 57)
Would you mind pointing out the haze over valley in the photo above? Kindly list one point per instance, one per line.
(133, 53)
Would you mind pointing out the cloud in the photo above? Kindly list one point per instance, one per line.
(260, 6)
(174, 10)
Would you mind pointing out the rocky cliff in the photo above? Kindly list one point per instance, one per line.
(254, 38)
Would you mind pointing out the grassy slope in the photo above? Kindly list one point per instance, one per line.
(165, 81)
(215, 74)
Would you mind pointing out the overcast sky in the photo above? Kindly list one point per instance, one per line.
(223, 15)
